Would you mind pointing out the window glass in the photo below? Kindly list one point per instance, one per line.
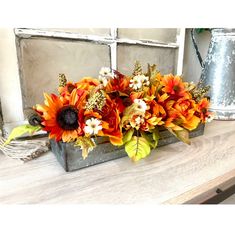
(43, 59)
(164, 58)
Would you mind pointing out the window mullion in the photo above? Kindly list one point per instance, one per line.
(113, 49)
(180, 42)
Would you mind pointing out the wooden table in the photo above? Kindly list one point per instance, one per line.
(173, 174)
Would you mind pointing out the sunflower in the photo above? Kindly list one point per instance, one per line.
(63, 120)
(174, 86)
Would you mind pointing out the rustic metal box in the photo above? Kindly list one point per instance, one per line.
(71, 159)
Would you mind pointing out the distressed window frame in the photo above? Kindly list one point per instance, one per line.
(112, 40)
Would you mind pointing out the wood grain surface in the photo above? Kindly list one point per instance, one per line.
(173, 174)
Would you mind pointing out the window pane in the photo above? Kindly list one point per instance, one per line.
(43, 59)
(85, 31)
(164, 58)
(160, 34)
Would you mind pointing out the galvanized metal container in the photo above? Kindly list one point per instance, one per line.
(71, 159)
(218, 71)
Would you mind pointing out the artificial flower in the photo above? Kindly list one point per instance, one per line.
(105, 72)
(173, 85)
(145, 80)
(141, 105)
(182, 113)
(119, 83)
(87, 83)
(111, 122)
(202, 109)
(103, 81)
(93, 126)
(123, 108)
(62, 121)
(67, 89)
(136, 82)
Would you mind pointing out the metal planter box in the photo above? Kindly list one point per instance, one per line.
(71, 159)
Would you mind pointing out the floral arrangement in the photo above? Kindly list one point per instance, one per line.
(129, 110)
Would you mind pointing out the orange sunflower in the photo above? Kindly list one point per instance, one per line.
(63, 120)
(174, 86)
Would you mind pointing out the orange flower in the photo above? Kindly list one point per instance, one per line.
(119, 83)
(111, 122)
(87, 83)
(62, 121)
(157, 109)
(173, 85)
(67, 89)
(150, 121)
(181, 113)
(202, 109)
(171, 122)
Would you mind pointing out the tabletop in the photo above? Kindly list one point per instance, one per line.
(172, 174)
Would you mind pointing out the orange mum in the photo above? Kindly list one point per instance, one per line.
(182, 114)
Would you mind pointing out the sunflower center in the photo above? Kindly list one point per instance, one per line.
(67, 118)
(176, 88)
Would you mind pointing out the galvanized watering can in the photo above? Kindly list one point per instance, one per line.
(218, 71)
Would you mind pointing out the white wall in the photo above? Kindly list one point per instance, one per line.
(9, 78)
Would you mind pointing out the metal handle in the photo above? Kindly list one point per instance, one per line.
(196, 48)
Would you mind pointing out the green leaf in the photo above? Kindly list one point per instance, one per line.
(182, 135)
(128, 135)
(148, 137)
(21, 130)
(152, 138)
(87, 144)
(137, 148)
(156, 137)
